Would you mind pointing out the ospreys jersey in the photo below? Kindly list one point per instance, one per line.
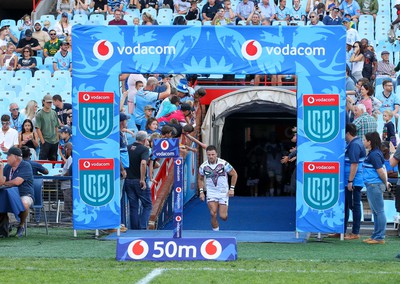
(216, 175)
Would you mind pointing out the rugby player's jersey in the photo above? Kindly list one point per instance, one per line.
(216, 175)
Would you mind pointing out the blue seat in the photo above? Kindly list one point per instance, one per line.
(382, 25)
(38, 203)
(6, 74)
(193, 23)
(8, 22)
(42, 74)
(98, 17)
(151, 11)
(27, 74)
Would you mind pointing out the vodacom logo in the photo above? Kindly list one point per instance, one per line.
(211, 249)
(251, 49)
(138, 249)
(103, 49)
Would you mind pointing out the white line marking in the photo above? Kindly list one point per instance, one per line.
(153, 274)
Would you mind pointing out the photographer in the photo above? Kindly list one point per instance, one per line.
(210, 9)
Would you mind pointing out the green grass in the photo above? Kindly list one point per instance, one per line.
(60, 258)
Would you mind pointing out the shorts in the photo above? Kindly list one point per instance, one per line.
(27, 199)
(221, 198)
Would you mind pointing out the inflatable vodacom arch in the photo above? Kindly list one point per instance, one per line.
(315, 54)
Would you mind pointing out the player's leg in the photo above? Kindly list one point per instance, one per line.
(223, 212)
(213, 207)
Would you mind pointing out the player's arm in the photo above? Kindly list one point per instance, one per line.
(200, 182)
(234, 176)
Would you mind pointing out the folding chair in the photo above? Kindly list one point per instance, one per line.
(38, 203)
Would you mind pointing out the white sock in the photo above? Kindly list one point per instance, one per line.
(215, 229)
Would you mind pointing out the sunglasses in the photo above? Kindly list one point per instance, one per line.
(312, 17)
(14, 109)
(26, 51)
(5, 122)
(52, 34)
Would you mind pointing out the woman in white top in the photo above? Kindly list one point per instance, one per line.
(357, 60)
(63, 27)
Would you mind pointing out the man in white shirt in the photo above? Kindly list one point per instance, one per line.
(8, 135)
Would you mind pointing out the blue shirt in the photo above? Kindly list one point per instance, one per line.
(24, 171)
(17, 123)
(268, 11)
(297, 14)
(329, 21)
(63, 62)
(388, 103)
(37, 168)
(281, 14)
(143, 98)
(373, 162)
(352, 9)
(355, 153)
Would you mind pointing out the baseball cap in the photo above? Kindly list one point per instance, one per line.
(385, 52)
(185, 106)
(346, 19)
(48, 98)
(123, 116)
(149, 107)
(28, 33)
(64, 14)
(14, 151)
(335, 9)
(65, 128)
(64, 42)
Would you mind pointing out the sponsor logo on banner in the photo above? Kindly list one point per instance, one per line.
(96, 114)
(96, 181)
(164, 249)
(103, 49)
(178, 219)
(321, 184)
(321, 117)
(252, 50)
(166, 148)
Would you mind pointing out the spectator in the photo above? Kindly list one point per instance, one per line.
(146, 96)
(169, 4)
(370, 64)
(229, 13)
(68, 39)
(388, 133)
(148, 113)
(26, 25)
(376, 182)
(267, 10)
(385, 68)
(389, 99)
(333, 18)
(363, 121)
(331, 3)
(52, 46)
(46, 26)
(118, 21)
(282, 12)
(135, 184)
(99, 7)
(27, 62)
(62, 60)
(168, 105)
(193, 12)
(37, 168)
(63, 27)
(113, 5)
(8, 60)
(183, 91)
(18, 173)
(243, 10)
(33, 43)
(30, 110)
(314, 20)
(81, 7)
(312, 6)
(152, 126)
(369, 7)
(65, 6)
(394, 24)
(219, 18)
(136, 21)
(62, 109)
(28, 137)
(181, 7)
(392, 172)
(40, 35)
(351, 34)
(298, 13)
(47, 127)
(8, 135)
(148, 19)
(254, 19)
(151, 4)
(66, 184)
(3, 40)
(17, 118)
(65, 137)
(210, 9)
(352, 8)
(357, 60)
(180, 115)
(321, 12)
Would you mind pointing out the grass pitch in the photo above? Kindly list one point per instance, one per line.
(60, 258)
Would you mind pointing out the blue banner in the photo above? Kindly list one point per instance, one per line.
(166, 148)
(164, 249)
(178, 197)
(315, 54)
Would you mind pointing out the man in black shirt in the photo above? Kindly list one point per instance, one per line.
(370, 62)
(136, 183)
(62, 109)
(28, 40)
